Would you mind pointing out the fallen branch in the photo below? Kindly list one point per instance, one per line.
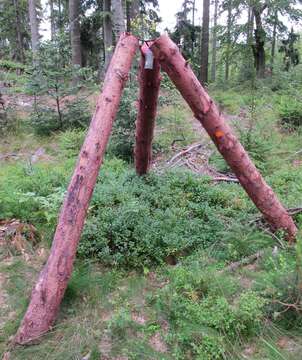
(290, 211)
(225, 179)
(288, 306)
(245, 261)
(184, 152)
(7, 156)
(205, 110)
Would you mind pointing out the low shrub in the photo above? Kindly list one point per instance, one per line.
(123, 135)
(136, 222)
(207, 324)
(33, 197)
(10, 65)
(10, 121)
(71, 141)
(45, 120)
(290, 111)
(74, 115)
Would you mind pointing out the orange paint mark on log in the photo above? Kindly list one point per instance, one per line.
(219, 134)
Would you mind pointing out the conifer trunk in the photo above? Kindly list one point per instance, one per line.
(75, 35)
(229, 41)
(273, 50)
(19, 54)
(149, 80)
(204, 64)
(258, 47)
(118, 17)
(108, 38)
(34, 26)
(49, 290)
(52, 21)
(214, 43)
(226, 142)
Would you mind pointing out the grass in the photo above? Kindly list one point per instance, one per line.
(121, 305)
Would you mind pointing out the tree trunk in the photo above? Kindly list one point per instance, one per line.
(214, 44)
(60, 18)
(51, 285)
(205, 42)
(19, 37)
(149, 80)
(229, 40)
(258, 47)
(128, 16)
(250, 25)
(274, 39)
(193, 12)
(34, 26)
(75, 35)
(134, 9)
(193, 27)
(226, 142)
(118, 18)
(108, 39)
(52, 21)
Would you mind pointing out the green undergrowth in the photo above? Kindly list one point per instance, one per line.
(150, 279)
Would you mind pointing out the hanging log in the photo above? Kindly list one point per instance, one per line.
(226, 142)
(52, 282)
(149, 80)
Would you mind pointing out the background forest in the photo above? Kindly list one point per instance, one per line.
(177, 264)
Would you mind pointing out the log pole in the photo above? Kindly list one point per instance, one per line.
(49, 290)
(204, 109)
(149, 81)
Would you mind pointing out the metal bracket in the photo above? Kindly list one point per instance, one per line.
(149, 60)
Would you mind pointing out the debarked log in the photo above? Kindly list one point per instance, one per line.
(49, 289)
(205, 110)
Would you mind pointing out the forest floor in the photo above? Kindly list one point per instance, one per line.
(191, 305)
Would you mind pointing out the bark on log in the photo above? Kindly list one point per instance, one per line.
(226, 142)
(149, 80)
(52, 282)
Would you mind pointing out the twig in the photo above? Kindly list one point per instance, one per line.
(184, 152)
(274, 236)
(291, 211)
(190, 165)
(225, 179)
(6, 156)
(245, 261)
(287, 306)
(294, 154)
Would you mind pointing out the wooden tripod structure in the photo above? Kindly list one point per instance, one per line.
(49, 289)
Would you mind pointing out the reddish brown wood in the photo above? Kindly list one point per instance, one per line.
(50, 287)
(228, 145)
(149, 80)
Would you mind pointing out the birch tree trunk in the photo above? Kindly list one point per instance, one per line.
(49, 290)
(223, 137)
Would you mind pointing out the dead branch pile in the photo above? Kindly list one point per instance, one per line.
(17, 237)
(196, 158)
